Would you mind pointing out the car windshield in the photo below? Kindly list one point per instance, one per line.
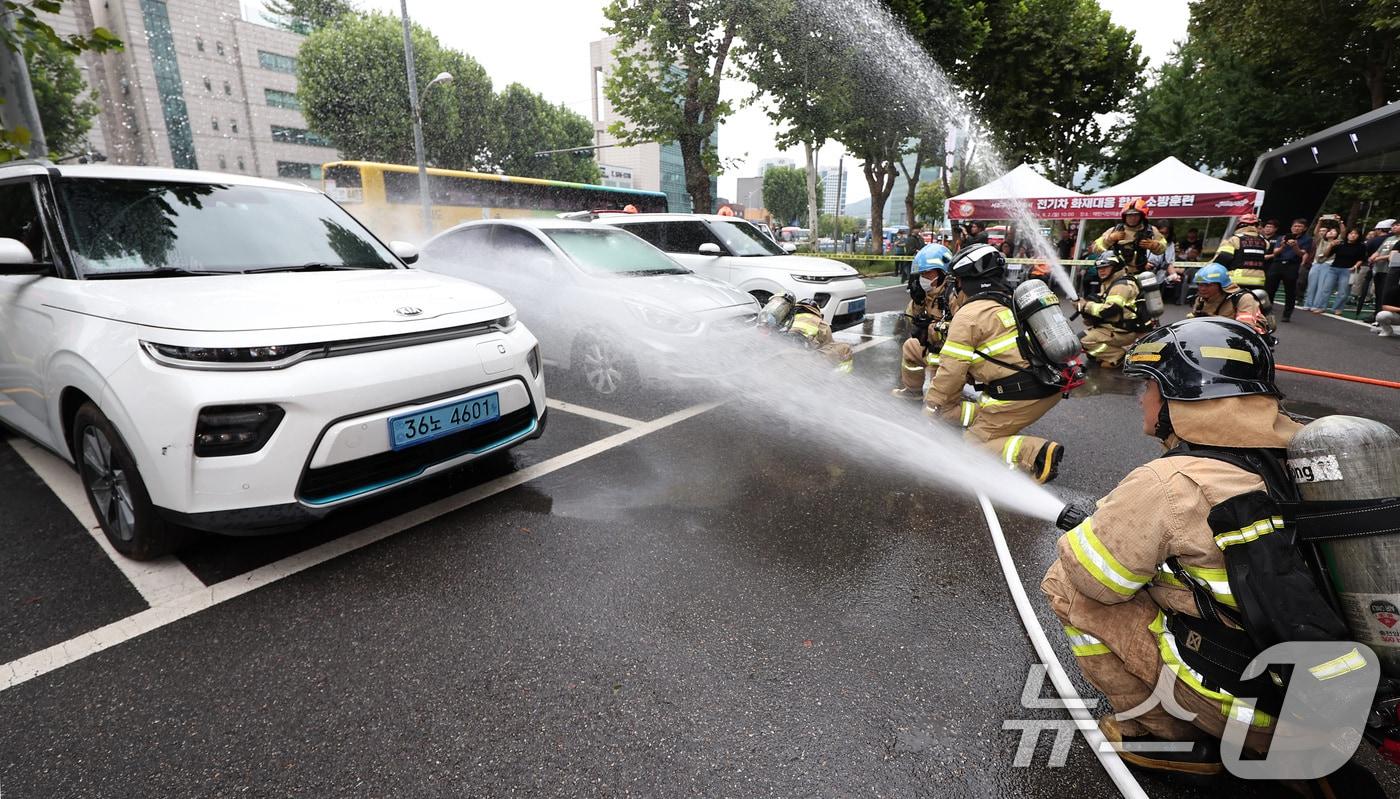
(605, 251)
(744, 239)
(120, 228)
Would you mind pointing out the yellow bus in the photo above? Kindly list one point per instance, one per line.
(385, 197)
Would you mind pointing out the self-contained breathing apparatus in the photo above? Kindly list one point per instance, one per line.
(1043, 335)
(1309, 558)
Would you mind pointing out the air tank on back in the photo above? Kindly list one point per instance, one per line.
(1150, 289)
(1349, 458)
(1040, 308)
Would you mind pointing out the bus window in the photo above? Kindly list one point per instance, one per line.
(401, 187)
(344, 185)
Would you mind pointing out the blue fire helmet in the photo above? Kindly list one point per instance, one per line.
(932, 257)
(1214, 273)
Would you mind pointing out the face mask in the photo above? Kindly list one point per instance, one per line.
(925, 283)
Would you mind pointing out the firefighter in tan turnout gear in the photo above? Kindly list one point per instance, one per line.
(982, 348)
(802, 320)
(1133, 239)
(1217, 295)
(1119, 579)
(932, 302)
(1243, 253)
(1111, 317)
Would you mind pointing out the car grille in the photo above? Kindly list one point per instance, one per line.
(345, 480)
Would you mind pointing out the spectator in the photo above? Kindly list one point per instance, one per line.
(1379, 263)
(977, 234)
(1347, 258)
(1191, 242)
(1159, 263)
(1288, 253)
(1007, 249)
(1321, 280)
(1065, 246)
(1388, 306)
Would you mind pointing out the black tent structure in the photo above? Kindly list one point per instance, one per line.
(1297, 177)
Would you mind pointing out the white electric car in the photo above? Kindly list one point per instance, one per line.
(607, 306)
(733, 250)
(239, 355)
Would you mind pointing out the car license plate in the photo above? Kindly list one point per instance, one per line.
(856, 306)
(417, 428)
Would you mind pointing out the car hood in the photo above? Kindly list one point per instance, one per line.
(284, 300)
(688, 293)
(807, 265)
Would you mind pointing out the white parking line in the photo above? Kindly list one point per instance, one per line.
(873, 341)
(1108, 757)
(593, 413)
(158, 581)
(59, 655)
(885, 288)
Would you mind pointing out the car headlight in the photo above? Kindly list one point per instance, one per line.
(813, 278)
(506, 323)
(664, 320)
(231, 358)
(533, 359)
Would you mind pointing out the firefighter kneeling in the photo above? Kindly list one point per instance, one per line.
(803, 321)
(1149, 586)
(1112, 316)
(1021, 376)
(932, 301)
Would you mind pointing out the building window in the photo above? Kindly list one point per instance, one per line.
(281, 99)
(299, 136)
(223, 162)
(156, 16)
(208, 86)
(199, 43)
(219, 48)
(227, 88)
(240, 164)
(297, 169)
(233, 125)
(215, 122)
(277, 63)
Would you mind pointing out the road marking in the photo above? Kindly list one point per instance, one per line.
(1083, 719)
(158, 581)
(885, 288)
(1366, 325)
(57, 656)
(592, 413)
(867, 345)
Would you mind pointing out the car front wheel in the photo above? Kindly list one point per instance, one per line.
(115, 490)
(603, 365)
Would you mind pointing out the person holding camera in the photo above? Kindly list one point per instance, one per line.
(1321, 279)
(1290, 251)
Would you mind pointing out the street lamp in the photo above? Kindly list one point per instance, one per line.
(443, 77)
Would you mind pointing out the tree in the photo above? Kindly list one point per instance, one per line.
(928, 201)
(849, 225)
(369, 117)
(305, 16)
(1260, 84)
(58, 86)
(785, 194)
(23, 30)
(527, 124)
(670, 56)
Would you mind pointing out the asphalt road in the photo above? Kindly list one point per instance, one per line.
(713, 605)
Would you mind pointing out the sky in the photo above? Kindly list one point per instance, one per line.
(543, 44)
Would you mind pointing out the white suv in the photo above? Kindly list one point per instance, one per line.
(736, 252)
(239, 355)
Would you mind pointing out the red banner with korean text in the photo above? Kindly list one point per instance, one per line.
(1164, 206)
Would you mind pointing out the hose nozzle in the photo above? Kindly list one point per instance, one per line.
(1072, 516)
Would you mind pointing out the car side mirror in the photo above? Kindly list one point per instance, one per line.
(16, 259)
(408, 253)
(789, 247)
(709, 248)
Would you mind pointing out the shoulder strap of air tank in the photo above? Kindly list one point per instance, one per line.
(1266, 463)
(1000, 298)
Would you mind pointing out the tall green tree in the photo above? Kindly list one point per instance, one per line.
(369, 117)
(1242, 83)
(24, 31)
(671, 55)
(305, 16)
(58, 92)
(527, 124)
(928, 201)
(785, 194)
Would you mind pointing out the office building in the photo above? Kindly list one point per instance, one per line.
(834, 187)
(197, 86)
(655, 166)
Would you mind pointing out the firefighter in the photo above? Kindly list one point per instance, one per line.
(802, 320)
(1243, 253)
(1137, 572)
(932, 301)
(1111, 316)
(982, 348)
(1217, 295)
(1133, 239)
